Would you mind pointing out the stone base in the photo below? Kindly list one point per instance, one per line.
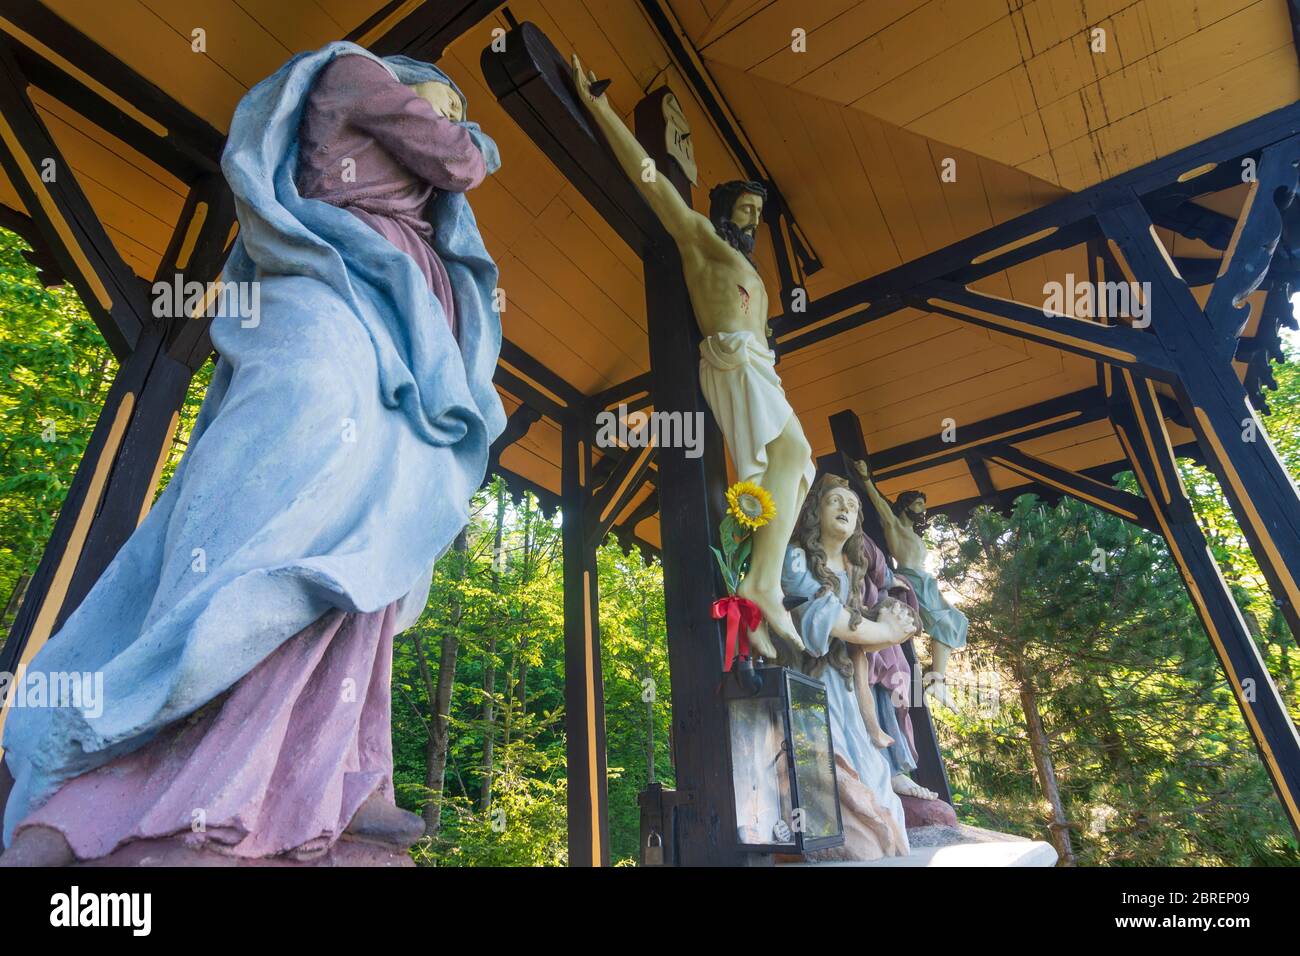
(961, 845)
(927, 813)
(173, 852)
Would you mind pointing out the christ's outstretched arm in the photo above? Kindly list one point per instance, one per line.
(679, 219)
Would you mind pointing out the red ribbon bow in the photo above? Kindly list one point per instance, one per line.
(742, 617)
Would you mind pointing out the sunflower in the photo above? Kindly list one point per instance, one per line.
(750, 504)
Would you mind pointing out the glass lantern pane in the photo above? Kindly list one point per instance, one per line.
(760, 772)
(814, 763)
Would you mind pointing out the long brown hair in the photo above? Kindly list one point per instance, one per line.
(859, 560)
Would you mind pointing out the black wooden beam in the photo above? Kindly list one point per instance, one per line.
(115, 298)
(1114, 344)
(151, 121)
(584, 694)
(1062, 223)
(1215, 406)
(569, 395)
(425, 32)
(1044, 418)
(621, 392)
(196, 253)
(520, 420)
(1139, 424)
(525, 392)
(1089, 490)
(1250, 253)
(617, 491)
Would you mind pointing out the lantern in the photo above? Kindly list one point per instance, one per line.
(782, 761)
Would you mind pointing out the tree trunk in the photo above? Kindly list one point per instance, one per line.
(435, 758)
(521, 683)
(1041, 747)
(490, 665)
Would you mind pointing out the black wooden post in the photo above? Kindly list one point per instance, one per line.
(119, 471)
(584, 695)
(1138, 421)
(532, 82)
(705, 801)
(114, 483)
(846, 431)
(705, 828)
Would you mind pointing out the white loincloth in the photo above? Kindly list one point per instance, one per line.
(739, 381)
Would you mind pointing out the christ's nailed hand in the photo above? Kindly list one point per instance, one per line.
(863, 470)
(583, 80)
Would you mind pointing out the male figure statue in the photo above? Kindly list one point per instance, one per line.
(903, 522)
(737, 369)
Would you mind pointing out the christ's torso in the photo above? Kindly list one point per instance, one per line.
(726, 290)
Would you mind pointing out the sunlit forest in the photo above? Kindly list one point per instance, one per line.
(1086, 659)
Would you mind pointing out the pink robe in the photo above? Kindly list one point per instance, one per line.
(369, 145)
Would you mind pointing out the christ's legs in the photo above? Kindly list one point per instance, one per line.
(937, 685)
(787, 458)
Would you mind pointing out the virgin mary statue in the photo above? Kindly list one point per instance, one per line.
(244, 632)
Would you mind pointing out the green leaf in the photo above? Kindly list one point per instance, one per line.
(728, 574)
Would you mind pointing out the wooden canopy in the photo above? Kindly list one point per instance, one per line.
(854, 129)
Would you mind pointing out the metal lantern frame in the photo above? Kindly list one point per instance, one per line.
(776, 684)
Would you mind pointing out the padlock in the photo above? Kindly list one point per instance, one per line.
(654, 849)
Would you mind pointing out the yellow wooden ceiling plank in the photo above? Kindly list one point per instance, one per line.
(936, 29)
(545, 343)
(147, 44)
(235, 41)
(1000, 116)
(131, 162)
(859, 338)
(633, 37)
(585, 35)
(296, 24)
(142, 260)
(763, 42)
(924, 366)
(584, 248)
(927, 86)
(582, 291)
(600, 346)
(858, 358)
(889, 186)
(140, 202)
(967, 402)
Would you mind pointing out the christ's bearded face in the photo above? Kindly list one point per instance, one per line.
(741, 228)
(917, 508)
(445, 101)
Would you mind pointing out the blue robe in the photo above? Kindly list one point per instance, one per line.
(331, 464)
(814, 616)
